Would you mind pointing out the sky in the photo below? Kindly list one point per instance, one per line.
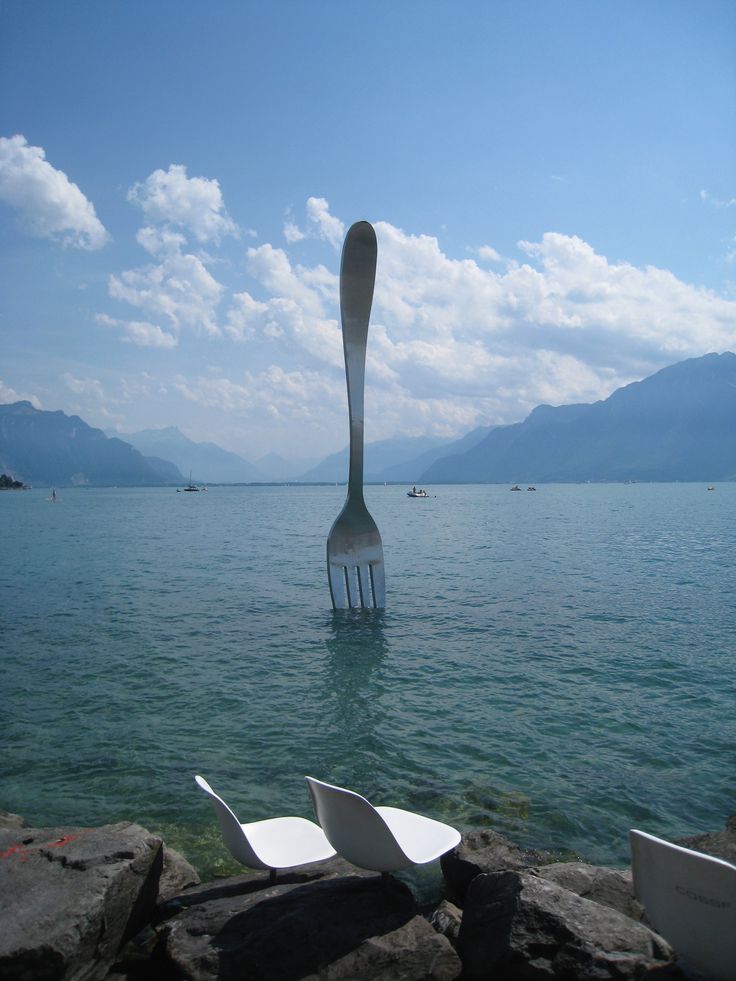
(552, 184)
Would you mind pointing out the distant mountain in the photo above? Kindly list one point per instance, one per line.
(411, 470)
(207, 462)
(678, 424)
(51, 448)
(387, 455)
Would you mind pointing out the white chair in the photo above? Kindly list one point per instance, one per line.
(381, 839)
(690, 899)
(276, 843)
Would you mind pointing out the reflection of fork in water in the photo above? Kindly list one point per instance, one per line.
(354, 548)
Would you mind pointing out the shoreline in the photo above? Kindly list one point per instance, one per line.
(58, 886)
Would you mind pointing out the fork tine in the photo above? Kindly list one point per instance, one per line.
(355, 587)
(378, 584)
(338, 588)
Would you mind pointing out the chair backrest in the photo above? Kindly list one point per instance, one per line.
(232, 831)
(355, 829)
(690, 899)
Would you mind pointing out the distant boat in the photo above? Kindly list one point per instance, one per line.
(516, 487)
(711, 488)
(531, 488)
(417, 493)
(192, 487)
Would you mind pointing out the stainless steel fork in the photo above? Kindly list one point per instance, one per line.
(354, 550)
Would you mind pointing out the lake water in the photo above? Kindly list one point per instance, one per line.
(556, 665)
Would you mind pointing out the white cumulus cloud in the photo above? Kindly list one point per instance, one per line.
(8, 395)
(195, 204)
(140, 332)
(49, 204)
(84, 386)
(321, 224)
(454, 343)
(179, 289)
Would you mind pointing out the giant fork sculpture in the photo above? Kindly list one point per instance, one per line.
(354, 549)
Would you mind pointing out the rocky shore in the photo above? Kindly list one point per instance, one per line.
(115, 902)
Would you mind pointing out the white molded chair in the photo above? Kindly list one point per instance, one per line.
(690, 899)
(381, 839)
(276, 843)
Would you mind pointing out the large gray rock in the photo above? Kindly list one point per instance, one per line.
(70, 897)
(346, 927)
(483, 851)
(10, 820)
(518, 925)
(722, 844)
(176, 875)
(609, 887)
(250, 881)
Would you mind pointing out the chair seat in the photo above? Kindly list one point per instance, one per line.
(274, 843)
(382, 839)
(422, 839)
(284, 842)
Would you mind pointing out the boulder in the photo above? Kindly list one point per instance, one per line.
(518, 925)
(9, 820)
(722, 844)
(70, 897)
(609, 887)
(483, 851)
(251, 881)
(344, 927)
(176, 875)
(446, 920)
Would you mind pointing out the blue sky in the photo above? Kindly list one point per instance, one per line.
(553, 186)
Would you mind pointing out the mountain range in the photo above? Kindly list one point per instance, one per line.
(54, 448)
(678, 424)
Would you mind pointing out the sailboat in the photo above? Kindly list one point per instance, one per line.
(190, 486)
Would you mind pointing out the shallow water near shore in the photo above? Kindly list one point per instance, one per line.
(556, 665)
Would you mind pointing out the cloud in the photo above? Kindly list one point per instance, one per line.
(169, 197)
(49, 204)
(179, 289)
(308, 401)
(320, 225)
(84, 386)
(714, 201)
(141, 333)
(8, 395)
(453, 344)
(292, 233)
(488, 253)
(160, 241)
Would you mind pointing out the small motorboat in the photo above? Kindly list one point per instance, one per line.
(417, 493)
(516, 487)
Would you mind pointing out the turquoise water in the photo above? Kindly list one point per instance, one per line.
(557, 665)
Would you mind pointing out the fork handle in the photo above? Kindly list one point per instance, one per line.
(357, 278)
